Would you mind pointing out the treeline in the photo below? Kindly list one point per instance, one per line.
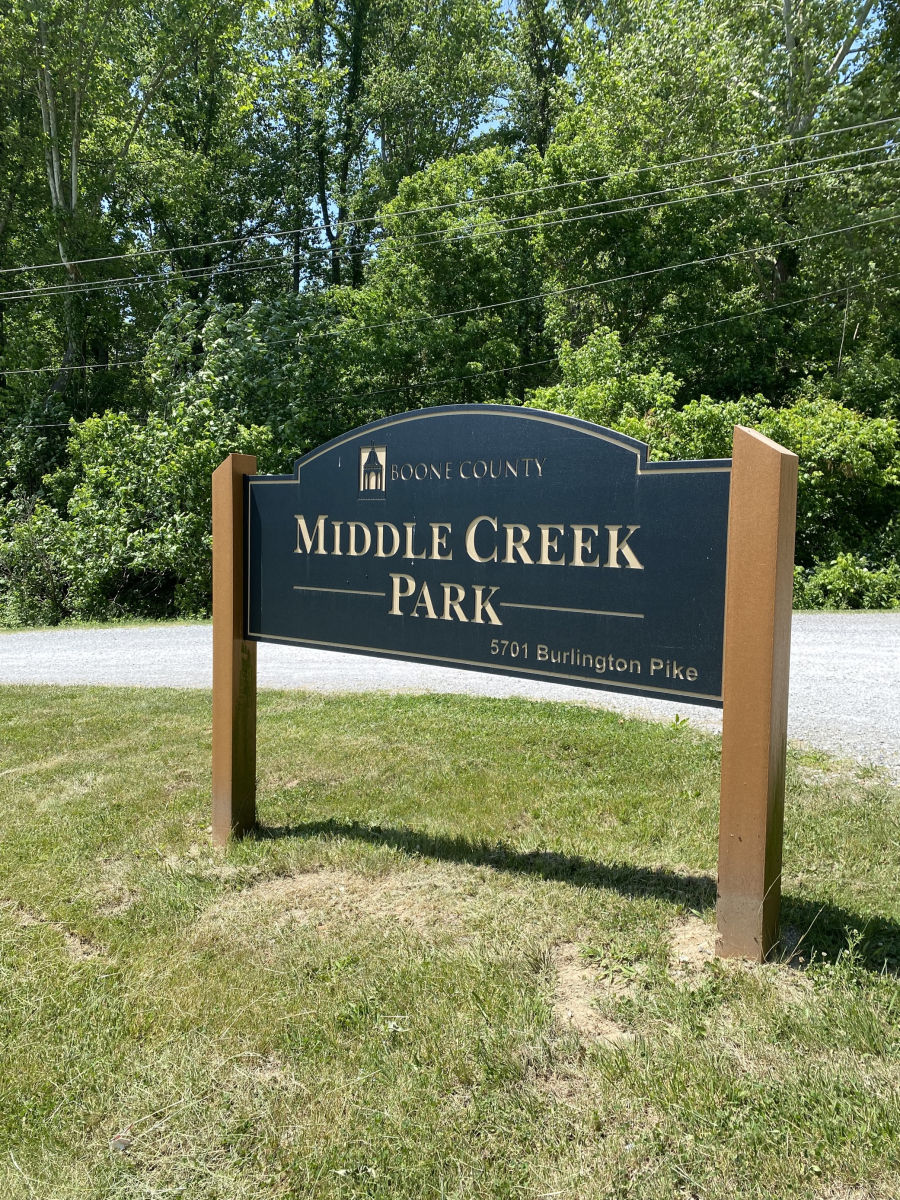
(255, 225)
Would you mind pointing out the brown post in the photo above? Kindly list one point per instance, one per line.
(758, 596)
(234, 660)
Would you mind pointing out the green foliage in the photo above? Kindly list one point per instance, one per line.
(129, 529)
(847, 582)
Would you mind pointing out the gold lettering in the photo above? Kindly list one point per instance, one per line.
(480, 463)
(582, 545)
(517, 544)
(337, 536)
(691, 674)
(499, 468)
(615, 546)
(434, 470)
(470, 540)
(656, 664)
(410, 527)
(352, 527)
(483, 606)
(512, 470)
(397, 595)
(439, 541)
(380, 552)
(318, 533)
(424, 598)
(465, 463)
(453, 596)
(548, 544)
(542, 653)
(634, 666)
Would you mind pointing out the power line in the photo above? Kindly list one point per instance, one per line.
(438, 236)
(539, 295)
(320, 228)
(670, 333)
(580, 287)
(501, 370)
(648, 207)
(680, 187)
(773, 307)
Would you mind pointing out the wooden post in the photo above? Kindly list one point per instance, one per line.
(758, 596)
(234, 660)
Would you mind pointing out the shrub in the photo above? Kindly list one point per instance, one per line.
(127, 529)
(847, 582)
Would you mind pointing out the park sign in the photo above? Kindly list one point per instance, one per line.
(498, 539)
(527, 543)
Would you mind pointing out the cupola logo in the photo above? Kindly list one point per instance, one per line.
(372, 472)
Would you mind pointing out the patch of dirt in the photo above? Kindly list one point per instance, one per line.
(576, 989)
(271, 1071)
(113, 901)
(692, 945)
(566, 1087)
(424, 902)
(78, 947)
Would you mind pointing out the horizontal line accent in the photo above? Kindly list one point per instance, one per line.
(491, 668)
(591, 612)
(341, 591)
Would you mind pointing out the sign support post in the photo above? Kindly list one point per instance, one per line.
(758, 596)
(234, 660)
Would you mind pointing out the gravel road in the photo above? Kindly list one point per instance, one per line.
(845, 675)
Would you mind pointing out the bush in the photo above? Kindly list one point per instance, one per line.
(126, 529)
(847, 582)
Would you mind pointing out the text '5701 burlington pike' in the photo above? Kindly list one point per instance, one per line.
(499, 539)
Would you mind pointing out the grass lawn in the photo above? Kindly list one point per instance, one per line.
(467, 955)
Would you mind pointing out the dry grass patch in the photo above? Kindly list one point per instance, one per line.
(577, 986)
(433, 902)
(77, 947)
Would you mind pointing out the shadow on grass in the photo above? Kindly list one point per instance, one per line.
(825, 929)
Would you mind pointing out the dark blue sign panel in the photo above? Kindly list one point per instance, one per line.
(498, 539)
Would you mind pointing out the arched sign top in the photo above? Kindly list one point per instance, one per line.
(499, 539)
(637, 450)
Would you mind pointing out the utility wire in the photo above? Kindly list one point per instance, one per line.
(436, 236)
(733, 178)
(671, 333)
(126, 362)
(580, 287)
(195, 273)
(320, 228)
(540, 362)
